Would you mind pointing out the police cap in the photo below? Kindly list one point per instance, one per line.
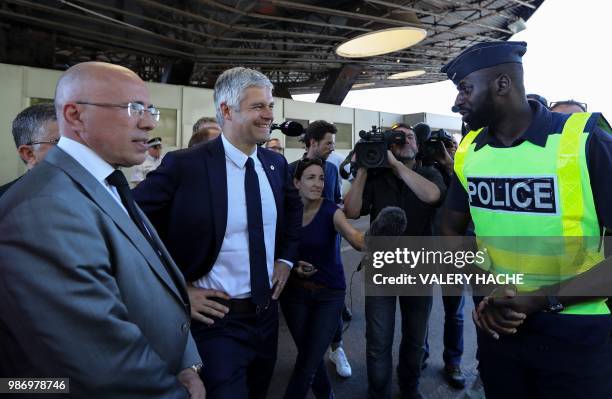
(484, 55)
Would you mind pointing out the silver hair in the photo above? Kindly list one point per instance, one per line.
(231, 85)
(29, 124)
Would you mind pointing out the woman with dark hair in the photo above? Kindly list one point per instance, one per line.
(314, 297)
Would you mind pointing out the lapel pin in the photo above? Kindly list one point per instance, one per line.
(272, 167)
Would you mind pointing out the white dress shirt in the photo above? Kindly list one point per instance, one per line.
(93, 163)
(231, 272)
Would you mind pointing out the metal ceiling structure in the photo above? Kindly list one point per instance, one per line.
(191, 41)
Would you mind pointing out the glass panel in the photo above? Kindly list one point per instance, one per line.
(344, 137)
(166, 127)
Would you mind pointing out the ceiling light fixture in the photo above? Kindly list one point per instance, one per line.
(407, 74)
(381, 42)
(362, 85)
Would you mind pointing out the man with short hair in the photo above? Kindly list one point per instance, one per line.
(35, 132)
(152, 160)
(230, 216)
(568, 106)
(88, 290)
(275, 145)
(550, 336)
(319, 141)
(417, 190)
(204, 130)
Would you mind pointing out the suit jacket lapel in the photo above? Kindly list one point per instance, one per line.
(217, 177)
(103, 199)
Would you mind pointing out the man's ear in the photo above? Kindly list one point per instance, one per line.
(26, 153)
(296, 183)
(226, 111)
(72, 117)
(503, 84)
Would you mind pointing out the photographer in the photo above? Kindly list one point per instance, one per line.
(418, 191)
(438, 150)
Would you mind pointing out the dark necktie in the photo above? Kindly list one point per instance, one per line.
(118, 180)
(260, 282)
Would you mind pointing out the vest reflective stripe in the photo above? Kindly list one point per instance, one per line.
(462, 152)
(568, 170)
(571, 217)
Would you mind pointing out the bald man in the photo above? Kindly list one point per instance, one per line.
(87, 290)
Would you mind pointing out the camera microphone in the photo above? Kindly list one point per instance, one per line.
(455, 109)
(289, 128)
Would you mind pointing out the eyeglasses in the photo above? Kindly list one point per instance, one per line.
(134, 109)
(583, 106)
(52, 142)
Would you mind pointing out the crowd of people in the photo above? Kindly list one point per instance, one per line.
(172, 289)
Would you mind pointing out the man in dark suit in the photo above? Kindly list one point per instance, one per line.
(87, 289)
(35, 132)
(229, 215)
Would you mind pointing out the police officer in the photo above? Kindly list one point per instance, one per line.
(152, 160)
(523, 171)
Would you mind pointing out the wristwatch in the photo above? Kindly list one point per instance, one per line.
(197, 368)
(553, 304)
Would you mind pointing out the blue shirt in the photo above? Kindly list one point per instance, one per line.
(318, 246)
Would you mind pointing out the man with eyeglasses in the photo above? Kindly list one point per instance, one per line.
(151, 162)
(35, 132)
(568, 106)
(89, 292)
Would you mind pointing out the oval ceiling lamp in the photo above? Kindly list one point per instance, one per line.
(361, 85)
(407, 74)
(381, 42)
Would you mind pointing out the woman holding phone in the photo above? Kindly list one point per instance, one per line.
(314, 297)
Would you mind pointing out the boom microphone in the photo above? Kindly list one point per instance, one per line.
(390, 222)
(455, 109)
(289, 128)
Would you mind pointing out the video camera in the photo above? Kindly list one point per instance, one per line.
(431, 149)
(371, 149)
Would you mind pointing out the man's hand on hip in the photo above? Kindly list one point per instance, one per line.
(202, 306)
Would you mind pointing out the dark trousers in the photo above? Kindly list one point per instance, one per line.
(238, 352)
(453, 330)
(533, 366)
(380, 327)
(312, 318)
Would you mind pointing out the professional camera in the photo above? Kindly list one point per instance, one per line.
(371, 150)
(432, 150)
